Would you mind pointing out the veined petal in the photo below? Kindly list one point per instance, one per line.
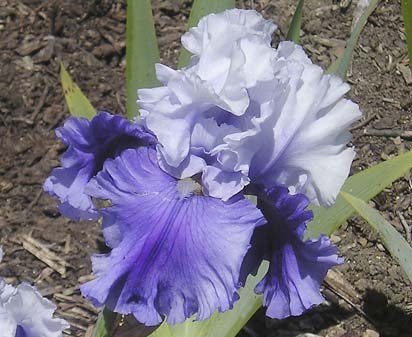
(90, 143)
(182, 252)
(296, 267)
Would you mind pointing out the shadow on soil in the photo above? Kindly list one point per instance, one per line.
(387, 319)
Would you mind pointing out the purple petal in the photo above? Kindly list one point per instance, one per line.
(20, 332)
(296, 267)
(90, 143)
(182, 252)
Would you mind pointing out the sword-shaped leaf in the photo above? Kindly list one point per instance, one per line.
(76, 101)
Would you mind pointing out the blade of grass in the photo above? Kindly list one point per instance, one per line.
(76, 101)
(363, 185)
(142, 52)
(394, 242)
(341, 65)
(201, 8)
(407, 20)
(294, 28)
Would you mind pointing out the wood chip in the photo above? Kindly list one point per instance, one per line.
(70, 291)
(81, 312)
(65, 298)
(370, 333)
(336, 280)
(88, 306)
(86, 278)
(44, 254)
(50, 290)
(72, 323)
(405, 134)
(89, 331)
(406, 73)
(67, 245)
(45, 273)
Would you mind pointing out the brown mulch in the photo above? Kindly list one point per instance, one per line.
(371, 293)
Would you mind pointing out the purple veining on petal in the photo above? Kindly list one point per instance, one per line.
(182, 252)
(90, 143)
(297, 266)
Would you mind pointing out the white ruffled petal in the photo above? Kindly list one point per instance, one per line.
(212, 30)
(243, 112)
(24, 308)
(7, 324)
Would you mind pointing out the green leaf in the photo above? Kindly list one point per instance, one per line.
(394, 242)
(363, 185)
(76, 101)
(142, 52)
(341, 65)
(104, 324)
(200, 9)
(226, 324)
(294, 28)
(407, 20)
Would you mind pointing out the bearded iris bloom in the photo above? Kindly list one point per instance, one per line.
(25, 313)
(242, 118)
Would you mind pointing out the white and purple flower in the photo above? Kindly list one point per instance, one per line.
(25, 313)
(242, 118)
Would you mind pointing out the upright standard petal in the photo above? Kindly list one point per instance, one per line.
(180, 252)
(273, 117)
(25, 313)
(297, 267)
(298, 131)
(212, 30)
(90, 143)
(306, 135)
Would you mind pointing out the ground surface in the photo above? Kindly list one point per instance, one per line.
(88, 36)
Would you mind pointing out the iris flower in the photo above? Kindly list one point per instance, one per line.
(243, 118)
(25, 313)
